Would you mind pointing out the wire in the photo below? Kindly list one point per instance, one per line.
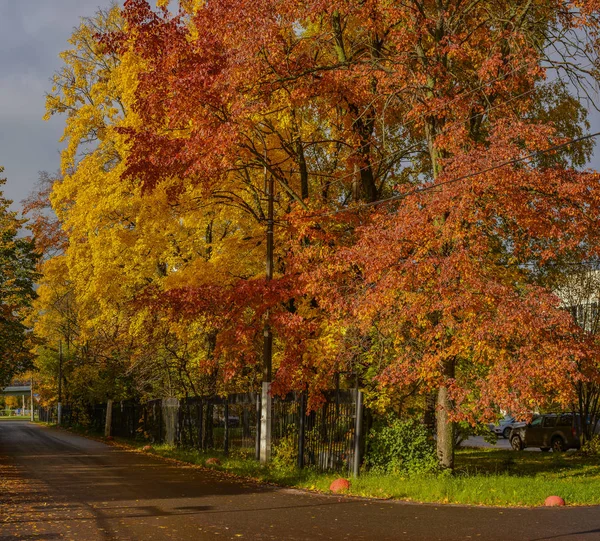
(455, 123)
(355, 295)
(458, 179)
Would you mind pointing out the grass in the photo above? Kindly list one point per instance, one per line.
(482, 477)
(492, 477)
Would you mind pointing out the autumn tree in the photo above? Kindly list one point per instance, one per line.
(424, 188)
(126, 246)
(375, 84)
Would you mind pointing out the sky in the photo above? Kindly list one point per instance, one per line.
(32, 34)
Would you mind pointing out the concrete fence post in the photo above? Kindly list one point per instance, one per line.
(108, 420)
(170, 411)
(258, 423)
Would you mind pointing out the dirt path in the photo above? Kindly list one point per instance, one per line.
(55, 485)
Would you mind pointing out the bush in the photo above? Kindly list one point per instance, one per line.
(400, 447)
(242, 453)
(284, 453)
(591, 447)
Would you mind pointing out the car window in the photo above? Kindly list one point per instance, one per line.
(549, 422)
(537, 421)
(565, 420)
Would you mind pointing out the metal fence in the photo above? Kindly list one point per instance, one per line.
(48, 415)
(218, 423)
(92, 417)
(325, 439)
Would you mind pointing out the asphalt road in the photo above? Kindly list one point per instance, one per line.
(58, 486)
(479, 441)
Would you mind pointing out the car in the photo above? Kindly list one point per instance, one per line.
(556, 431)
(233, 421)
(505, 425)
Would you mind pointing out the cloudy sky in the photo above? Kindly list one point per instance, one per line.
(32, 34)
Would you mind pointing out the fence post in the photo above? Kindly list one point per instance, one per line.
(226, 426)
(258, 423)
(31, 397)
(301, 429)
(108, 419)
(358, 434)
(170, 407)
(160, 421)
(201, 425)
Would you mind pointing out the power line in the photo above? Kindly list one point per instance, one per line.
(457, 122)
(514, 161)
(458, 179)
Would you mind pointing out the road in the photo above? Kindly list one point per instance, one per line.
(58, 486)
(479, 442)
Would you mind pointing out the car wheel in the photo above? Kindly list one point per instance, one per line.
(506, 433)
(558, 445)
(516, 443)
(544, 449)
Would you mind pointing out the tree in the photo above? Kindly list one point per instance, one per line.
(371, 119)
(126, 246)
(579, 292)
(17, 275)
(440, 82)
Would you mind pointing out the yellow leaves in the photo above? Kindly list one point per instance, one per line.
(192, 6)
(125, 80)
(83, 88)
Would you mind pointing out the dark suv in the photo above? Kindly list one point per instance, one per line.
(558, 432)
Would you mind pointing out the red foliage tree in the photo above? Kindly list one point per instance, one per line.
(443, 285)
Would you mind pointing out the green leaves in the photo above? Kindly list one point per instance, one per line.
(401, 446)
(17, 274)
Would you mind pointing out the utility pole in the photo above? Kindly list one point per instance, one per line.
(266, 401)
(60, 359)
(31, 391)
(268, 342)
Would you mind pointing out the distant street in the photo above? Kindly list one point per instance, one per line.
(57, 486)
(502, 443)
(478, 441)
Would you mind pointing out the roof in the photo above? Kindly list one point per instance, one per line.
(17, 389)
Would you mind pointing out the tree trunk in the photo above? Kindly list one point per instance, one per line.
(444, 427)
(430, 409)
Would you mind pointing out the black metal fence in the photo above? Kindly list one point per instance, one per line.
(325, 439)
(218, 423)
(92, 417)
(47, 415)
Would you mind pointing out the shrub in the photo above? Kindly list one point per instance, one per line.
(284, 454)
(242, 453)
(400, 446)
(591, 447)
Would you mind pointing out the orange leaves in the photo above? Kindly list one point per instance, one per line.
(450, 274)
(341, 104)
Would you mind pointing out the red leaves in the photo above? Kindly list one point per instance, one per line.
(237, 91)
(450, 273)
